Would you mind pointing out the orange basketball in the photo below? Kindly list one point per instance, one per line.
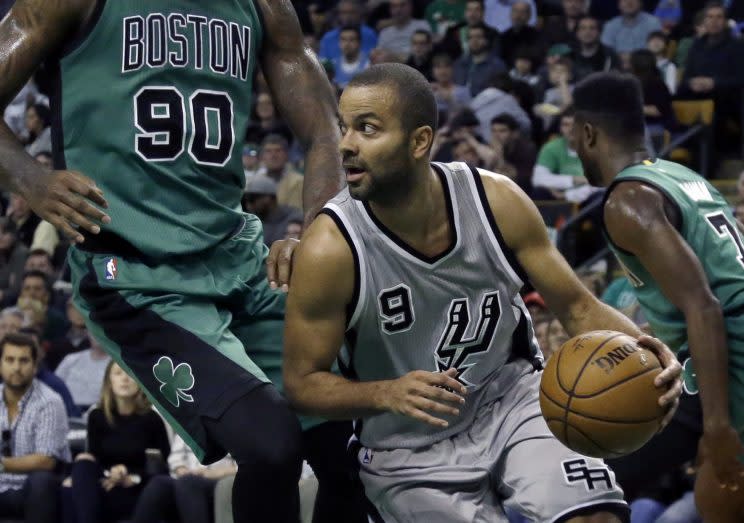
(597, 394)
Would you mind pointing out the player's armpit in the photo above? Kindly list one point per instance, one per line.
(525, 234)
(305, 98)
(322, 284)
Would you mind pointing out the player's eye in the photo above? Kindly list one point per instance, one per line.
(368, 128)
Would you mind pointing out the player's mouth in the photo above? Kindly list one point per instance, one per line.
(354, 173)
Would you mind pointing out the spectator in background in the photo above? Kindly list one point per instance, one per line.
(421, 53)
(265, 120)
(684, 45)
(12, 319)
(75, 339)
(513, 151)
(24, 219)
(658, 44)
(250, 160)
(629, 31)
(33, 425)
(13, 256)
(107, 480)
(715, 69)
(463, 151)
(82, 372)
(294, 230)
(38, 120)
(557, 98)
(589, 55)
(352, 59)
(15, 112)
(558, 173)
(444, 14)
(276, 165)
(348, 13)
(455, 42)
(187, 494)
(261, 199)
(498, 99)
(562, 29)
(657, 100)
(520, 34)
(524, 69)
(396, 38)
(34, 300)
(476, 69)
(498, 13)
(450, 97)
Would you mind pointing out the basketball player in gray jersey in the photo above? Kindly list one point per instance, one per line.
(419, 266)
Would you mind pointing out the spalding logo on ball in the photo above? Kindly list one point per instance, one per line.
(598, 397)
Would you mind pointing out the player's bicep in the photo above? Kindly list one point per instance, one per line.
(29, 32)
(321, 288)
(525, 234)
(636, 222)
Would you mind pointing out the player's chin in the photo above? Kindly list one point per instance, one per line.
(358, 189)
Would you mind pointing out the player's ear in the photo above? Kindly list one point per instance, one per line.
(589, 134)
(421, 141)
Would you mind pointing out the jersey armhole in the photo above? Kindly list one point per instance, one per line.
(353, 309)
(85, 30)
(500, 245)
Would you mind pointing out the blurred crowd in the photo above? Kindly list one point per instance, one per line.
(502, 72)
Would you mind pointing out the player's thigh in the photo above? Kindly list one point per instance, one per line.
(435, 484)
(546, 481)
(179, 349)
(717, 505)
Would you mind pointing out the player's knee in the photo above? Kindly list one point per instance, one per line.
(84, 456)
(282, 450)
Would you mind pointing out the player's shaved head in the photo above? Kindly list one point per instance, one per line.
(414, 98)
(612, 102)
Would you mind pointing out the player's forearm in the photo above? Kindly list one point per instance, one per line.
(331, 396)
(29, 463)
(591, 314)
(706, 333)
(323, 176)
(17, 168)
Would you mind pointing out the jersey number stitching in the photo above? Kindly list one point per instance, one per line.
(160, 118)
(724, 228)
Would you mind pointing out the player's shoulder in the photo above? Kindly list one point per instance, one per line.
(326, 241)
(634, 200)
(497, 184)
(77, 12)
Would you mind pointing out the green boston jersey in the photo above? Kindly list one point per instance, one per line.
(709, 228)
(152, 104)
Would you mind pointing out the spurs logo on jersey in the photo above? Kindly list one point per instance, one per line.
(454, 349)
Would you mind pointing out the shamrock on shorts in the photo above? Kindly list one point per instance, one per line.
(174, 381)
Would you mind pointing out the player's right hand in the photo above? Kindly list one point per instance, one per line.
(65, 199)
(279, 263)
(722, 447)
(420, 392)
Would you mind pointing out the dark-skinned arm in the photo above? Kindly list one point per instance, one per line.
(33, 30)
(637, 222)
(305, 99)
(322, 284)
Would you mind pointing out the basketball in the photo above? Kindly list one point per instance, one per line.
(598, 397)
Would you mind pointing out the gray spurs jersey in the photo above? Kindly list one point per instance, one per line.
(459, 309)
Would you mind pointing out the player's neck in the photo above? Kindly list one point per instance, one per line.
(419, 213)
(619, 159)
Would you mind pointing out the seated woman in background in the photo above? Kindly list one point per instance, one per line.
(657, 100)
(122, 430)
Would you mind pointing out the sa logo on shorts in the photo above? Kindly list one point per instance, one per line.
(174, 382)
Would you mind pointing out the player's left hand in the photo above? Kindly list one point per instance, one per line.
(279, 263)
(670, 378)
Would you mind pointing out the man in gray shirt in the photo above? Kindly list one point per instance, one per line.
(396, 38)
(83, 373)
(628, 31)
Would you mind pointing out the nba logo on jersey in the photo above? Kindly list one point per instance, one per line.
(111, 269)
(367, 458)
